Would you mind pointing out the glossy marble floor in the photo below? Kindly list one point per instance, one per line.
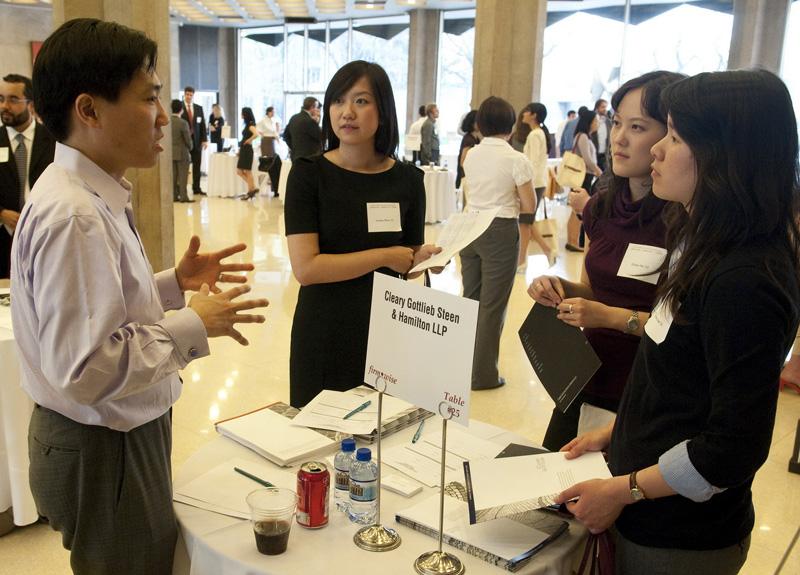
(234, 379)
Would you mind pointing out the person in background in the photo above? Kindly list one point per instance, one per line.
(501, 177)
(536, 149)
(429, 148)
(560, 130)
(302, 133)
(697, 414)
(621, 219)
(29, 149)
(97, 354)
(601, 138)
(472, 136)
(269, 128)
(567, 137)
(244, 165)
(194, 116)
(332, 249)
(215, 122)
(181, 148)
(415, 129)
(583, 146)
(520, 134)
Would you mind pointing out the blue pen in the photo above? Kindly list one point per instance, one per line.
(361, 407)
(419, 431)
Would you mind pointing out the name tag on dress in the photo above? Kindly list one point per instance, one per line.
(642, 262)
(3, 155)
(659, 322)
(383, 217)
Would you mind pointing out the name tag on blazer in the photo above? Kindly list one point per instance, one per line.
(383, 217)
(642, 262)
(199, 119)
(3, 155)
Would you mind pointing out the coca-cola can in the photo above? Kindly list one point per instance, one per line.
(313, 485)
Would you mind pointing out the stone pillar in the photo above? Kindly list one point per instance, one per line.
(152, 195)
(423, 61)
(228, 49)
(759, 27)
(509, 40)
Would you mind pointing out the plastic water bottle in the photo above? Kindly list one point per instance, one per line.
(363, 488)
(342, 462)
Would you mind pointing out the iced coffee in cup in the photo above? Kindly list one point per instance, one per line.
(272, 513)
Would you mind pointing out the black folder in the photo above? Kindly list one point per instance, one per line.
(560, 354)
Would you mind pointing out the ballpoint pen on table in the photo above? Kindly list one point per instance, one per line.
(253, 477)
(419, 431)
(361, 407)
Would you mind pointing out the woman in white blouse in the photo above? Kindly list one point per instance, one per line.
(499, 177)
(537, 147)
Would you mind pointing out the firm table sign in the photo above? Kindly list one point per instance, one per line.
(420, 347)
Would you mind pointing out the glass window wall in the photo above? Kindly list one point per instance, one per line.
(454, 86)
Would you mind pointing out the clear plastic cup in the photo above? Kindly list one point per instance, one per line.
(272, 514)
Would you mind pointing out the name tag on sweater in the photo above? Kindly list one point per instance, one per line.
(658, 324)
(642, 262)
(383, 217)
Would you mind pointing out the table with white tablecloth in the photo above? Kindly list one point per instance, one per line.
(15, 414)
(440, 194)
(222, 179)
(214, 544)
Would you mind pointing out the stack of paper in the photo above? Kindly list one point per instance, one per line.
(512, 485)
(222, 490)
(504, 542)
(274, 437)
(422, 460)
(328, 408)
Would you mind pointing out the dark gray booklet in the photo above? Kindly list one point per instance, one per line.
(560, 354)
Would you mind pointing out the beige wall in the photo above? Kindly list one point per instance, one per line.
(19, 26)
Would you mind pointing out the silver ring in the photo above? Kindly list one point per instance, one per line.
(570, 308)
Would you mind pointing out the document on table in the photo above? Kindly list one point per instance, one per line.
(459, 231)
(223, 490)
(328, 408)
(503, 487)
(422, 460)
(504, 538)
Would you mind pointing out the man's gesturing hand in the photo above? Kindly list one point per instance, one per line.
(219, 313)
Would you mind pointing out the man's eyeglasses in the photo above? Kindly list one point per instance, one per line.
(13, 100)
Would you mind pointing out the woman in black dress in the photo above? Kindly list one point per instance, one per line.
(244, 166)
(215, 122)
(331, 223)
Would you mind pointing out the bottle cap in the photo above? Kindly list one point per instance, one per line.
(363, 454)
(348, 444)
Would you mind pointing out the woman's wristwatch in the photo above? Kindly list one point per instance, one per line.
(637, 493)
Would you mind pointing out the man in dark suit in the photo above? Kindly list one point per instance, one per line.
(602, 137)
(303, 134)
(26, 149)
(193, 114)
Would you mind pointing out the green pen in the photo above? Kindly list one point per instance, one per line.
(253, 477)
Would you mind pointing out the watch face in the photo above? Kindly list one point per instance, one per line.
(633, 323)
(637, 494)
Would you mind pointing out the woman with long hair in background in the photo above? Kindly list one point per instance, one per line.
(244, 165)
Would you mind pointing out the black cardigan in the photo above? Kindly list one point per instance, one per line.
(712, 381)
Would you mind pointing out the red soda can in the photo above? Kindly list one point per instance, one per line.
(313, 484)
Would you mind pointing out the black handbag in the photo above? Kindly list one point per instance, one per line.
(265, 163)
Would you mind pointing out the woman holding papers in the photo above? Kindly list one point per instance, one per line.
(625, 225)
(350, 212)
(499, 178)
(695, 421)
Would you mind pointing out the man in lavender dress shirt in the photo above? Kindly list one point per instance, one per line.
(98, 355)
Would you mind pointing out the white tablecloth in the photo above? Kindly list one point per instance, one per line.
(440, 194)
(220, 545)
(284, 177)
(15, 414)
(222, 179)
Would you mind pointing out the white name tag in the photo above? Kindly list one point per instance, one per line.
(199, 119)
(642, 263)
(3, 155)
(383, 217)
(657, 326)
